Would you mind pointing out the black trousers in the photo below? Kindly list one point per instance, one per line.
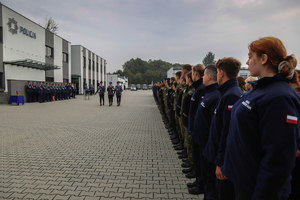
(197, 163)
(208, 174)
(110, 99)
(226, 190)
(295, 194)
(101, 99)
(118, 99)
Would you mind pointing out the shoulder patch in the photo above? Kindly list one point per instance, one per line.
(291, 119)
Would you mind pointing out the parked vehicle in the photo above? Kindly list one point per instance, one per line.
(133, 87)
(150, 87)
(138, 86)
(145, 87)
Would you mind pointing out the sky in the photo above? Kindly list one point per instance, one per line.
(176, 31)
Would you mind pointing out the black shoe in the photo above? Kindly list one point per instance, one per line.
(187, 170)
(185, 160)
(186, 165)
(173, 137)
(100, 104)
(192, 174)
(178, 148)
(182, 156)
(176, 141)
(191, 185)
(196, 190)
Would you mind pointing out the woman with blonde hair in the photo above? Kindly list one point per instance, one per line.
(248, 82)
(264, 127)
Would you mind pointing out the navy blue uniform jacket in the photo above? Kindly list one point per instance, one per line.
(204, 115)
(197, 95)
(261, 145)
(215, 147)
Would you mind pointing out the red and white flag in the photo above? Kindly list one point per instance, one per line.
(291, 119)
(229, 107)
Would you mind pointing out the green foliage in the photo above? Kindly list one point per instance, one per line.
(209, 59)
(139, 71)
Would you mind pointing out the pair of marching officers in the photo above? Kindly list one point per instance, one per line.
(111, 91)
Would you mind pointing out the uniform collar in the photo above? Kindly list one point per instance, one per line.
(212, 86)
(228, 84)
(268, 80)
(197, 83)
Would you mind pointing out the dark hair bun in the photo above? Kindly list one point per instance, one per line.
(287, 67)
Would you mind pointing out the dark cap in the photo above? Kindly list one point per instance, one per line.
(110, 82)
(101, 81)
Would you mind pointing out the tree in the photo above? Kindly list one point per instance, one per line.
(51, 25)
(209, 59)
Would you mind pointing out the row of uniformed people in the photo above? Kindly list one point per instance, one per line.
(111, 91)
(243, 146)
(45, 91)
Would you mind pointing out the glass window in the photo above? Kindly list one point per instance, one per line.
(65, 57)
(84, 62)
(49, 52)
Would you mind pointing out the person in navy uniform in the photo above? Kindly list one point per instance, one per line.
(110, 92)
(264, 128)
(101, 90)
(29, 91)
(118, 91)
(228, 69)
(203, 117)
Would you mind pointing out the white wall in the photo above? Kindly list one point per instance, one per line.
(13, 72)
(19, 46)
(58, 59)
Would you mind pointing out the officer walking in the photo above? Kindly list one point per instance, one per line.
(118, 91)
(101, 90)
(110, 92)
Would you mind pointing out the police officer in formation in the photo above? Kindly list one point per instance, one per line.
(101, 90)
(46, 92)
(237, 146)
(118, 91)
(110, 92)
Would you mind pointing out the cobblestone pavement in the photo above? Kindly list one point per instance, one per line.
(76, 149)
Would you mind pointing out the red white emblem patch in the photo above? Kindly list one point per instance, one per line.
(229, 107)
(291, 119)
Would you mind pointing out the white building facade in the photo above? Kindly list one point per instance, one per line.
(172, 71)
(88, 69)
(244, 72)
(29, 52)
(114, 78)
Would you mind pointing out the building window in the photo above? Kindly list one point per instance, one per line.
(84, 62)
(93, 65)
(49, 52)
(97, 67)
(89, 63)
(65, 57)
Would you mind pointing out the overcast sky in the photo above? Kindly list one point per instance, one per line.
(177, 31)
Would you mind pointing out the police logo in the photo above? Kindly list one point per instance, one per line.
(13, 25)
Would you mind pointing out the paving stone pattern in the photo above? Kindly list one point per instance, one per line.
(77, 150)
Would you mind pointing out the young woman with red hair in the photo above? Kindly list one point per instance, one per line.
(264, 127)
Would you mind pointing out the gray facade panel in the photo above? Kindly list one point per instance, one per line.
(49, 41)
(65, 49)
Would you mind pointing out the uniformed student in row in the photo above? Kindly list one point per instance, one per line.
(262, 141)
(110, 92)
(228, 69)
(101, 90)
(197, 75)
(118, 91)
(203, 117)
(185, 108)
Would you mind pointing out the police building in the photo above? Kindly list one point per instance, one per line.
(29, 52)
